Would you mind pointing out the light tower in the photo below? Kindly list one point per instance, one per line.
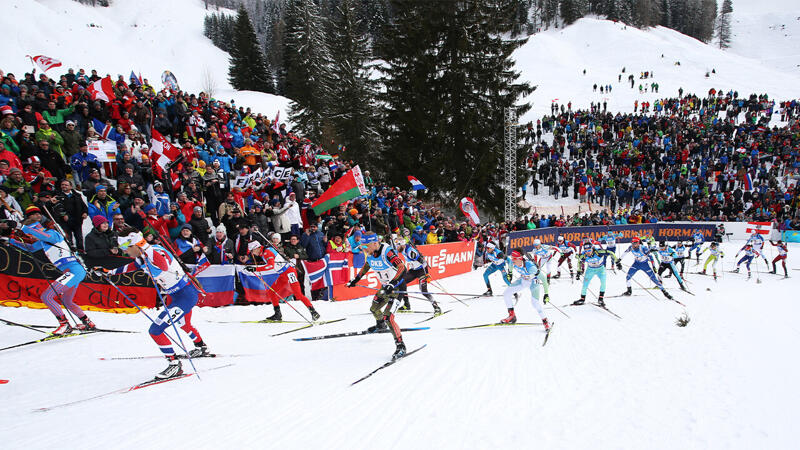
(510, 151)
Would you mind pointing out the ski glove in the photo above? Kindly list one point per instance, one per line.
(353, 282)
(546, 299)
(619, 265)
(387, 289)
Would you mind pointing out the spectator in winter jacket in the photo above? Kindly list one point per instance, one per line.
(200, 228)
(101, 242)
(11, 157)
(52, 160)
(56, 117)
(418, 236)
(293, 215)
(280, 219)
(220, 248)
(314, 242)
(75, 211)
(18, 188)
(82, 162)
(160, 199)
(188, 246)
(72, 139)
(101, 204)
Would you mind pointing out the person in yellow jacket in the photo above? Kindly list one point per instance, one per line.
(432, 238)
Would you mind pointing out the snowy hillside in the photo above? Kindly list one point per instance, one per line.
(728, 380)
(146, 36)
(768, 31)
(555, 59)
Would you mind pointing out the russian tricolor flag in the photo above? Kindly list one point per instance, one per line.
(218, 283)
(277, 284)
(415, 183)
(748, 182)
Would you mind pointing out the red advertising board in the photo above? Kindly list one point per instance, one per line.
(444, 260)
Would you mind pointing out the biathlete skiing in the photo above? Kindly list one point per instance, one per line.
(64, 287)
(387, 263)
(529, 280)
(277, 279)
(593, 258)
(171, 281)
(642, 260)
(417, 268)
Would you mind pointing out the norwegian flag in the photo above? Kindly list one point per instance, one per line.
(102, 89)
(44, 62)
(108, 133)
(338, 268)
(318, 275)
(161, 151)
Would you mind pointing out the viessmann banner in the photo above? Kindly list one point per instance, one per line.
(660, 231)
(444, 260)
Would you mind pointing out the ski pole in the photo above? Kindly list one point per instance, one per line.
(439, 285)
(405, 292)
(169, 318)
(276, 293)
(8, 322)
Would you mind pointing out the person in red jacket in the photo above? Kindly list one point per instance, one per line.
(160, 224)
(36, 175)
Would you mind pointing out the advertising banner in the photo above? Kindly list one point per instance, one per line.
(660, 231)
(444, 260)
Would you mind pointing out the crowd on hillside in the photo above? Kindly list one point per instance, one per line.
(692, 158)
(48, 126)
(688, 160)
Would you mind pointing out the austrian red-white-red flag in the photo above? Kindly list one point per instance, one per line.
(470, 210)
(44, 62)
(162, 151)
(102, 89)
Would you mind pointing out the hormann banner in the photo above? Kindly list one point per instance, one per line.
(624, 233)
(444, 260)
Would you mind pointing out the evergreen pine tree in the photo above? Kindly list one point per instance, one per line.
(307, 65)
(351, 107)
(448, 78)
(248, 68)
(724, 24)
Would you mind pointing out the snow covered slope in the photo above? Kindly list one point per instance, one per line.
(146, 36)
(768, 31)
(555, 59)
(728, 380)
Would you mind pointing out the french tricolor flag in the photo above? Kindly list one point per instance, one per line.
(416, 184)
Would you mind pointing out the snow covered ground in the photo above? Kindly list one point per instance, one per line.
(555, 59)
(728, 380)
(146, 36)
(767, 31)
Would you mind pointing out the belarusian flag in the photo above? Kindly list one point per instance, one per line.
(350, 186)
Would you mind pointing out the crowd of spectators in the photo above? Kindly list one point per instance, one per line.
(48, 126)
(689, 160)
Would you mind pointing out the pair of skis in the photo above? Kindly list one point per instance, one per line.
(53, 337)
(598, 305)
(517, 324)
(135, 387)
